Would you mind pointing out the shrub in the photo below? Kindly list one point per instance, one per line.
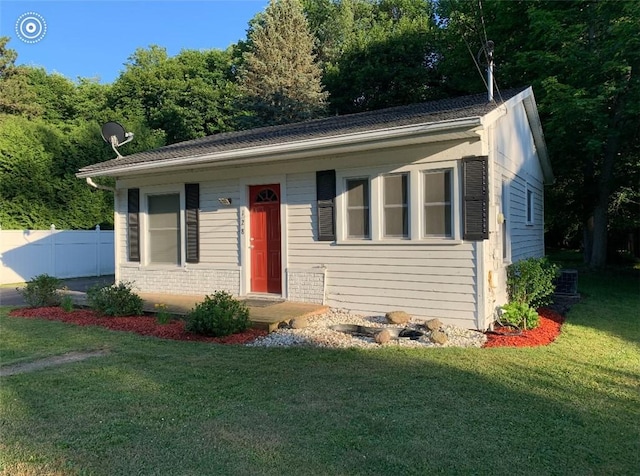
(41, 291)
(531, 281)
(115, 300)
(218, 315)
(163, 316)
(67, 303)
(521, 315)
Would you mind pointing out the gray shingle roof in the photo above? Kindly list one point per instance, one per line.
(414, 114)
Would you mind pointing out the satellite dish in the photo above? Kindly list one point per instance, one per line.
(113, 129)
(114, 134)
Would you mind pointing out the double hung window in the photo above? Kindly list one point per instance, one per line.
(163, 228)
(396, 206)
(437, 203)
(358, 216)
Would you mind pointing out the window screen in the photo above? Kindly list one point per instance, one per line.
(437, 203)
(358, 208)
(396, 208)
(164, 229)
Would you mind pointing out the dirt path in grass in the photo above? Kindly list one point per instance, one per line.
(67, 358)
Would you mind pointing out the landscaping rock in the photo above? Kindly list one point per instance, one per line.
(398, 317)
(439, 337)
(433, 324)
(383, 337)
(299, 323)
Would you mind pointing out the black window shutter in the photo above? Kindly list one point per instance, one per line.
(133, 223)
(326, 195)
(475, 206)
(192, 232)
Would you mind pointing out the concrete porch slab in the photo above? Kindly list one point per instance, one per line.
(263, 314)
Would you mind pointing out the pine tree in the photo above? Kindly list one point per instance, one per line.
(280, 77)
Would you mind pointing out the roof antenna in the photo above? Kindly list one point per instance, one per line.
(488, 48)
(114, 134)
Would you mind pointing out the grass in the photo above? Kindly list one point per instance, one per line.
(161, 407)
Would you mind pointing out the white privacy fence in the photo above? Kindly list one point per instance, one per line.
(61, 253)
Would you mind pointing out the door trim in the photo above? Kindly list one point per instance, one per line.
(244, 230)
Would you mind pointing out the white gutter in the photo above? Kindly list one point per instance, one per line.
(262, 153)
(98, 186)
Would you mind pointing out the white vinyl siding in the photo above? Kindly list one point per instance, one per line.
(425, 279)
(506, 221)
(219, 224)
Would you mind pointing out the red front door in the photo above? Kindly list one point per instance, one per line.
(264, 209)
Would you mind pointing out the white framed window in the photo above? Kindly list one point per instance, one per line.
(358, 204)
(437, 199)
(163, 225)
(529, 201)
(411, 204)
(164, 229)
(396, 206)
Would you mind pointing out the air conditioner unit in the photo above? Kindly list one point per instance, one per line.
(567, 283)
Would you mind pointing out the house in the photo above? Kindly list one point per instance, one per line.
(418, 208)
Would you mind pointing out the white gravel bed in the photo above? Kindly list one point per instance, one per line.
(318, 334)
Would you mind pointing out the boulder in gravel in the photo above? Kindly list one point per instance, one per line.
(299, 323)
(433, 324)
(398, 317)
(383, 336)
(438, 337)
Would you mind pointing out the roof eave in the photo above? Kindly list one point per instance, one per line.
(294, 149)
(538, 136)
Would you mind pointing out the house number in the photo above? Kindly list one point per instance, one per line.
(242, 222)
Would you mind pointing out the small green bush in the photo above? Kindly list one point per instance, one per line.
(531, 281)
(67, 303)
(218, 315)
(521, 315)
(115, 300)
(41, 291)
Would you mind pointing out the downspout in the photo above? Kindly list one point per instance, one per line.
(98, 186)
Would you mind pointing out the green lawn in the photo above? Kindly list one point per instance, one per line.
(156, 407)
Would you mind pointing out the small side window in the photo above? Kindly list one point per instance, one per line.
(529, 206)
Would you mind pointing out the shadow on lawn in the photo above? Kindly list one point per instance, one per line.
(176, 408)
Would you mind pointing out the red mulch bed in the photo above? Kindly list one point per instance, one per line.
(545, 333)
(143, 325)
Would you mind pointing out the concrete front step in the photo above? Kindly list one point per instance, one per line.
(263, 314)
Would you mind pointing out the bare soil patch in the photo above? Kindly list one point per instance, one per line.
(53, 361)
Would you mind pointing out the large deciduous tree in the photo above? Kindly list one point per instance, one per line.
(190, 95)
(583, 59)
(377, 54)
(279, 76)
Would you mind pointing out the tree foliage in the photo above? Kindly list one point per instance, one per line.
(280, 79)
(302, 60)
(377, 54)
(582, 57)
(190, 95)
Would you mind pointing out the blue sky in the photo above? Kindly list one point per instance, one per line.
(94, 38)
